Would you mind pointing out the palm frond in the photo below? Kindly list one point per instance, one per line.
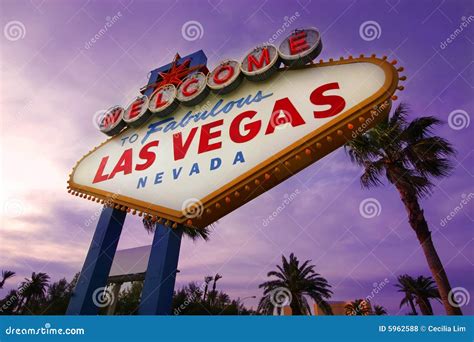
(193, 233)
(373, 172)
(400, 114)
(419, 128)
(301, 281)
(408, 152)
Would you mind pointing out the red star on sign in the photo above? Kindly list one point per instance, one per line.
(175, 74)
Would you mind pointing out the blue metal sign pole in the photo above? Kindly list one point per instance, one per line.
(95, 271)
(157, 294)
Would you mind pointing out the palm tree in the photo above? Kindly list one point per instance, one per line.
(295, 282)
(188, 301)
(358, 307)
(424, 291)
(191, 232)
(266, 306)
(5, 276)
(207, 280)
(223, 298)
(410, 157)
(57, 299)
(406, 284)
(194, 291)
(421, 289)
(33, 290)
(213, 294)
(379, 310)
(9, 304)
(216, 278)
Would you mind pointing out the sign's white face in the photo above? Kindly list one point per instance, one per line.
(197, 152)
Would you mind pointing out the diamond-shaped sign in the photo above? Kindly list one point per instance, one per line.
(203, 162)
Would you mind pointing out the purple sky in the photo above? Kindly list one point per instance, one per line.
(51, 86)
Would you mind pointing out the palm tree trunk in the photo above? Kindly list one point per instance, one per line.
(295, 308)
(413, 308)
(428, 305)
(24, 307)
(418, 223)
(214, 294)
(424, 308)
(19, 304)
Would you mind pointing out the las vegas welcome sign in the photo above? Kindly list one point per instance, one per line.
(197, 144)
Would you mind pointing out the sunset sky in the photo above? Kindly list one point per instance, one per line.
(53, 81)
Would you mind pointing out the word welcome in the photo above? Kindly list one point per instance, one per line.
(298, 49)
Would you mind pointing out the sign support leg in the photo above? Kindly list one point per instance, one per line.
(157, 294)
(95, 271)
